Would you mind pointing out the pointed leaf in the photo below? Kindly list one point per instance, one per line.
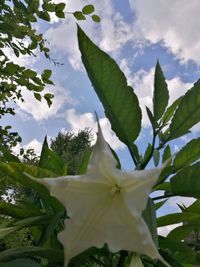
(159, 204)
(119, 101)
(166, 154)
(15, 211)
(177, 218)
(187, 113)
(51, 161)
(160, 94)
(187, 181)
(156, 157)
(170, 110)
(188, 154)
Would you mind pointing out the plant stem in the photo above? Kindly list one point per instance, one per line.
(132, 155)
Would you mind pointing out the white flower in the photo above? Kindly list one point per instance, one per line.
(105, 206)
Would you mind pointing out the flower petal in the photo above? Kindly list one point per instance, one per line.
(137, 187)
(102, 156)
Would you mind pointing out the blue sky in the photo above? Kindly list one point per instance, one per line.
(135, 33)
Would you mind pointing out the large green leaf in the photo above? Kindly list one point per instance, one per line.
(160, 94)
(187, 113)
(23, 262)
(187, 181)
(51, 161)
(180, 251)
(15, 211)
(178, 218)
(52, 254)
(119, 101)
(181, 232)
(188, 154)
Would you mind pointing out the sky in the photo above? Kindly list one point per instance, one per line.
(136, 33)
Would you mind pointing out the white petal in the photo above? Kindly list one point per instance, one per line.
(137, 188)
(101, 155)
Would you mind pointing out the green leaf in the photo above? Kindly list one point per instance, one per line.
(51, 161)
(38, 96)
(46, 74)
(23, 262)
(151, 118)
(178, 218)
(181, 252)
(44, 15)
(16, 211)
(60, 14)
(16, 172)
(85, 160)
(79, 15)
(53, 223)
(31, 221)
(156, 157)
(160, 94)
(88, 9)
(170, 110)
(181, 232)
(166, 154)
(51, 254)
(119, 101)
(159, 204)
(60, 7)
(187, 181)
(188, 154)
(147, 152)
(29, 73)
(149, 215)
(96, 18)
(48, 97)
(187, 113)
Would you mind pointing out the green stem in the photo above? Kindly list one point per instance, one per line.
(132, 155)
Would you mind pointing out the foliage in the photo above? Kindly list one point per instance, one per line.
(180, 176)
(71, 148)
(19, 37)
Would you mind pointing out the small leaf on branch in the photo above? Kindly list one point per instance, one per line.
(88, 9)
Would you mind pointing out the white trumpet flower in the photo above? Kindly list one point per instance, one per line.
(105, 206)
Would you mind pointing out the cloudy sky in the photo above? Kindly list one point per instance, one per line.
(135, 33)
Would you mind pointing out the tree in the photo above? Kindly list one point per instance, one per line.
(71, 147)
(19, 36)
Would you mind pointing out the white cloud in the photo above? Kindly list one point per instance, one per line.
(175, 25)
(34, 144)
(165, 230)
(186, 201)
(143, 82)
(40, 110)
(111, 34)
(81, 121)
